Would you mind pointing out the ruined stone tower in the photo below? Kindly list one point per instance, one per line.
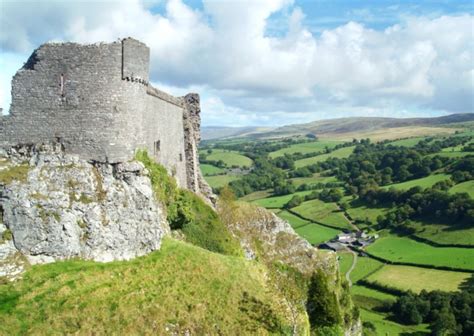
(96, 100)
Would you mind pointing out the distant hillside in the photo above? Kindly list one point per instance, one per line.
(357, 127)
(217, 132)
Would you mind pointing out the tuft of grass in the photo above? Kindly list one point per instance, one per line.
(15, 173)
(6, 236)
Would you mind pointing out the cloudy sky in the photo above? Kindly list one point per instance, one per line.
(273, 62)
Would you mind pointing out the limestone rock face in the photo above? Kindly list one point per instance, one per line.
(66, 207)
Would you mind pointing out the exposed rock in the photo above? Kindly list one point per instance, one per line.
(68, 207)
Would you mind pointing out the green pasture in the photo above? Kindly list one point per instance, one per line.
(278, 201)
(316, 178)
(220, 180)
(424, 182)
(444, 234)
(230, 158)
(403, 249)
(208, 170)
(467, 187)
(417, 278)
(338, 153)
(326, 213)
(410, 142)
(306, 147)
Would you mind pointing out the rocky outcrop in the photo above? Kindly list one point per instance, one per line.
(65, 207)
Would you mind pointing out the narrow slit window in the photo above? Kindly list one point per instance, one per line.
(61, 84)
(180, 157)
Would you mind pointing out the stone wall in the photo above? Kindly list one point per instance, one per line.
(97, 102)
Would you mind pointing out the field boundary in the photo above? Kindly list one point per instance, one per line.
(313, 221)
(402, 263)
(435, 244)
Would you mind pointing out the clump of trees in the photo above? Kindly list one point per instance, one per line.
(447, 313)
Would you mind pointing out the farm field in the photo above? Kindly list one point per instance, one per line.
(307, 147)
(424, 182)
(451, 154)
(384, 326)
(444, 234)
(326, 213)
(345, 261)
(278, 201)
(372, 293)
(402, 249)
(338, 153)
(316, 234)
(365, 267)
(402, 277)
(219, 181)
(208, 170)
(362, 213)
(467, 187)
(257, 195)
(410, 142)
(230, 158)
(316, 178)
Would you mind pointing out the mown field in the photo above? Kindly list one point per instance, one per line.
(338, 153)
(424, 182)
(444, 234)
(230, 158)
(403, 277)
(219, 181)
(402, 249)
(410, 142)
(278, 201)
(316, 178)
(307, 147)
(208, 170)
(322, 212)
(467, 187)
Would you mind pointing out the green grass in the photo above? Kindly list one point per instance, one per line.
(326, 213)
(444, 234)
(362, 291)
(338, 153)
(424, 182)
(467, 187)
(181, 287)
(316, 178)
(219, 181)
(403, 249)
(230, 158)
(451, 154)
(410, 142)
(304, 148)
(294, 221)
(362, 213)
(384, 326)
(208, 170)
(345, 261)
(364, 267)
(278, 201)
(417, 278)
(316, 234)
(257, 195)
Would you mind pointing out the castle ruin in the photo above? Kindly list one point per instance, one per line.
(96, 100)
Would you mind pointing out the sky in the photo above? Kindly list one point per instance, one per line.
(273, 62)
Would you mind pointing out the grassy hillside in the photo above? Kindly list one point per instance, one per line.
(230, 158)
(307, 147)
(406, 250)
(467, 187)
(326, 213)
(338, 153)
(402, 277)
(424, 182)
(149, 295)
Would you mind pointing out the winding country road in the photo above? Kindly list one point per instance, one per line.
(354, 262)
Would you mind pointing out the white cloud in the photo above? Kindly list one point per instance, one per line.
(248, 76)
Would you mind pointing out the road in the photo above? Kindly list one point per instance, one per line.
(354, 262)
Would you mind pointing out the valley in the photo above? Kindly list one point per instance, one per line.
(401, 189)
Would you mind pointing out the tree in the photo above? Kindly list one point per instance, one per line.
(322, 307)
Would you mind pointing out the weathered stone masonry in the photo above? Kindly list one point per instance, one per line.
(97, 101)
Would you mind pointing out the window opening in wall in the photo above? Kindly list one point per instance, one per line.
(61, 84)
(180, 157)
(156, 147)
